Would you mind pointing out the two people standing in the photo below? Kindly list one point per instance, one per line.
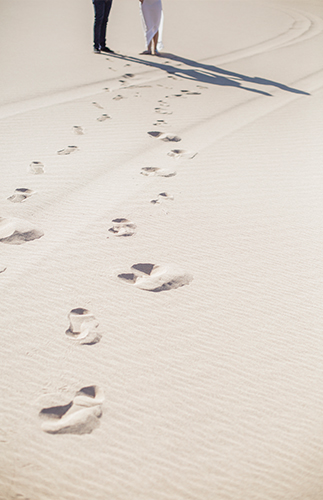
(152, 21)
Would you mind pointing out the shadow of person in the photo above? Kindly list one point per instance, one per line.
(231, 74)
(196, 71)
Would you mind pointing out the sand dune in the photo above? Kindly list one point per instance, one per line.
(161, 253)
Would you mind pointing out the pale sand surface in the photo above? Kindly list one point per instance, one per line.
(212, 390)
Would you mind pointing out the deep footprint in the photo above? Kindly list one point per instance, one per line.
(80, 416)
(17, 231)
(20, 195)
(55, 411)
(89, 396)
(156, 278)
(122, 227)
(83, 326)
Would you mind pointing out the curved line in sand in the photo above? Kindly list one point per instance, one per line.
(313, 28)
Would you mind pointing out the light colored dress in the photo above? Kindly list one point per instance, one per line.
(152, 20)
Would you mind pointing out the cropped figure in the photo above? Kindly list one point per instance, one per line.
(152, 21)
(101, 16)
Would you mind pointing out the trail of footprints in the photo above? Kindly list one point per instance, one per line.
(82, 414)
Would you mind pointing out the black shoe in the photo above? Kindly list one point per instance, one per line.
(96, 51)
(107, 50)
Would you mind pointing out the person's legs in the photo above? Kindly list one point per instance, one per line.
(155, 38)
(107, 8)
(99, 10)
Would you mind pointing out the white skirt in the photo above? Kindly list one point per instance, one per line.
(152, 21)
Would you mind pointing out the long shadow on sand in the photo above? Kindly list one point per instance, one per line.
(206, 73)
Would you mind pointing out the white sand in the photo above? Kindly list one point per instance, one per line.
(208, 391)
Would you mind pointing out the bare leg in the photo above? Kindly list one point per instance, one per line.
(149, 48)
(155, 38)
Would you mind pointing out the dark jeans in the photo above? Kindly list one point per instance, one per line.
(101, 16)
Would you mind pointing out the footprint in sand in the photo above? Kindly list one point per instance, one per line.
(128, 75)
(20, 195)
(122, 227)
(68, 150)
(156, 278)
(202, 87)
(164, 136)
(158, 172)
(17, 231)
(36, 167)
(118, 97)
(2, 269)
(160, 122)
(103, 117)
(161, 197)
(97, 105)
(78, 130)
(83, 326)
(181, 153)
(79, 416)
